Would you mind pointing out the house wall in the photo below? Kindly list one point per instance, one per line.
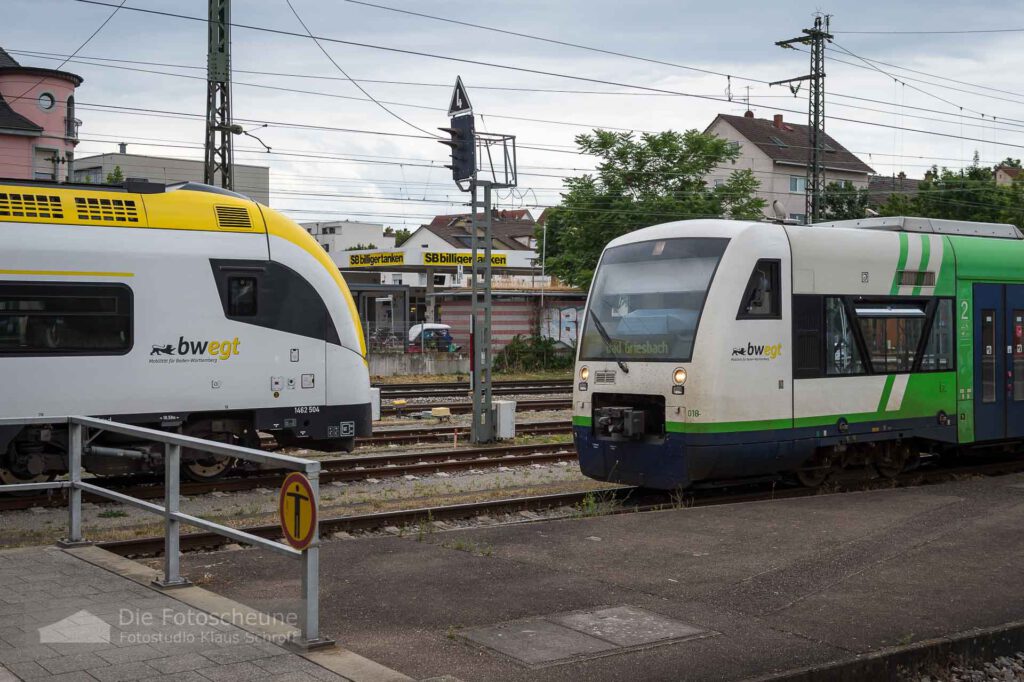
(22, 92)
(337, 236)
(252, 181)
(774, 177)
(16, 156)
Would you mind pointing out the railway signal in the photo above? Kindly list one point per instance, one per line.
(470, 178)
(463, 145)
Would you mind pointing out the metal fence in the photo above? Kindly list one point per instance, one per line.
(173, 517)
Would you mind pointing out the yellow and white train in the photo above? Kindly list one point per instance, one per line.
(184, 307)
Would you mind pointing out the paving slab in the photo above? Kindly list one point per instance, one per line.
(127, 632)
(718, 593)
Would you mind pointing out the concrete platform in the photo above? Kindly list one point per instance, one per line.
(87, 615)
(723, 593)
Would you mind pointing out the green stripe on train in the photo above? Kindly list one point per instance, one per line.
(925, 396)
(904, 247)
(926, 245)
(582, 421)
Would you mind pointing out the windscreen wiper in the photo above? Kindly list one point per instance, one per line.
(607, 341)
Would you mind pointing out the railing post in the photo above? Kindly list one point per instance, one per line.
(311, 578)
(74, 492)
(172, 527)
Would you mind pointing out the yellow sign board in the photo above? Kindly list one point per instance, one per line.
(297, 510)
(376, 259)
(498, 260)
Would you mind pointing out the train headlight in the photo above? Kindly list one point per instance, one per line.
(679, 376)
(584, 373)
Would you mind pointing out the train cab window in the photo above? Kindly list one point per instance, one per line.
(242, 296)
(938, 354)
(58, 318)
(892, 332)
(842, 356)
(762, 297)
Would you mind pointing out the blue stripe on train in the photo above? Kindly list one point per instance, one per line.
(679, 459)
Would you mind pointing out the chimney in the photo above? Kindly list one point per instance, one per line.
(748, 114)
(777, 121)
(122, 147)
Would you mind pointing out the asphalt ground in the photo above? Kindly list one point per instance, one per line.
(718, 593)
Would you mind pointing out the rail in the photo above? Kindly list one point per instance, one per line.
(173, 517)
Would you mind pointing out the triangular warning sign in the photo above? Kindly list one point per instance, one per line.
(460, 100)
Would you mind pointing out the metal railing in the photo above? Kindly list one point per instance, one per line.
(173, 517)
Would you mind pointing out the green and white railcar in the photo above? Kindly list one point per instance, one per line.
(716, 350)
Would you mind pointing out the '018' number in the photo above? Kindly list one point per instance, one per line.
(693, 413)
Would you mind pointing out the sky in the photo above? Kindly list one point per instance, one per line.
(352, 159)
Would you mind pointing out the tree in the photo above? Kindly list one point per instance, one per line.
(115, 177)
(657, 178)
(1009, 163)
(360, 247)
(843, 201)
(401, 236)
(968, 194)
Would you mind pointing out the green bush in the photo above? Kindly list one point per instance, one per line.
(531, 354)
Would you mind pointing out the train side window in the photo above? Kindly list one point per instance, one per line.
(808, 326)
(242, 296)
(762, 297)
(938, 354)
(842, 356)
(892, 333)
(61, 318)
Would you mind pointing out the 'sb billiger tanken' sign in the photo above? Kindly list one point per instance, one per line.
(498, 260)
(369, 260)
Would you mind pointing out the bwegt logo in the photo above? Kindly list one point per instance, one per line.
(763, 351)
(221, 349)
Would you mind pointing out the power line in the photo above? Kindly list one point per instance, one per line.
(942, 32)
(541, 72)
(553, 41)
(345, 74)
(548, 121)
(79, 48)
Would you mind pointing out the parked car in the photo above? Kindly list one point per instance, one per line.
(433, 337)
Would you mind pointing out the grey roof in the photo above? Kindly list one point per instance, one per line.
(7, 60)
(12, 120)
(506, 227)
(9, 64)
(881, 187)
(788, 143)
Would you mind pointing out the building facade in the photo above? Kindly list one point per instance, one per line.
(252, 181)
(38, 128)
(776, 152)
(338, 236)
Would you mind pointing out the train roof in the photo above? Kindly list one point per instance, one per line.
(136, 203)
(963, 228)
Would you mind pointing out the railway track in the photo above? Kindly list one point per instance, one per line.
(461, 388)
(466, 408)
(584, 503)
(390, 465)
(406, 436)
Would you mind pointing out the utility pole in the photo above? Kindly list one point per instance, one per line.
(815, 38)
(219, 155)
(470, 150)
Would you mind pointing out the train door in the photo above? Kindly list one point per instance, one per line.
(1014, 360)
(998, 361)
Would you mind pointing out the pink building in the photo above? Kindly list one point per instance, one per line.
(38, 128)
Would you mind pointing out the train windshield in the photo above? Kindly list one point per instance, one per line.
(647, 299)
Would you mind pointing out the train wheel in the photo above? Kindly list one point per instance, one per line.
(11, 474)
(203, 466)
(891, 460)
(815, 470)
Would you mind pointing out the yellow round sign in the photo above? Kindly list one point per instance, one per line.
(297, 509)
